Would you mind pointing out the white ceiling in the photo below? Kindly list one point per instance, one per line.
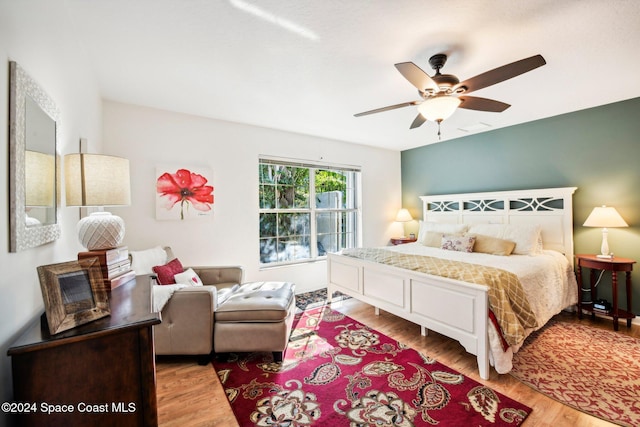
(307, 66)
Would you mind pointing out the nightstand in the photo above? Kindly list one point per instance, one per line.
(402, 240)
(614, 265)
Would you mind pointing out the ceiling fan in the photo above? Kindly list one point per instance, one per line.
(442, 93)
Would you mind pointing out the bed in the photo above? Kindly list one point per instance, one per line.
(462, 306)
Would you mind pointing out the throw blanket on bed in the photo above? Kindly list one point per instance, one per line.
(507, 299)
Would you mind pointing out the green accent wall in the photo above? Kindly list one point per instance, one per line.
(596, 150)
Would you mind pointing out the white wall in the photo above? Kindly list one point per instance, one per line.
(37, 35)
(149, 137)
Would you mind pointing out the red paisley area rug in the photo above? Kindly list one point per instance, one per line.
(338, 372)
(593, 370)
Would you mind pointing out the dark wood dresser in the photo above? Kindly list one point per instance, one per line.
(98, 374)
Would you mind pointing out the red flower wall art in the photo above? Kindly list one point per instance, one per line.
(183, 194)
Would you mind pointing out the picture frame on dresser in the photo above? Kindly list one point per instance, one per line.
(73, 294)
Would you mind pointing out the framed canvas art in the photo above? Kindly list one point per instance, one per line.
(183, 193)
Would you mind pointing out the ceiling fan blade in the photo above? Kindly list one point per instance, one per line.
(500, 74)
(482, 104)
(417, 76)
(390, 107)
(418, 121)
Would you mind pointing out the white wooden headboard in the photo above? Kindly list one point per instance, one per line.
(551, 208)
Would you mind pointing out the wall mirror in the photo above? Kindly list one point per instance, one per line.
(33, 163)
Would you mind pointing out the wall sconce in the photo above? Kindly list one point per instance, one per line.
(605, 217)
(94, 180)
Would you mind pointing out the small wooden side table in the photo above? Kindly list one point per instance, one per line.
(614, 265)
(402, 240)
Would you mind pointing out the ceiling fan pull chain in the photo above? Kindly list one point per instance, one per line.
(439, 137)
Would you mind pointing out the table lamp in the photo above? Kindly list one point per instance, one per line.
(94, 180)
(605, 217)
(403, 216)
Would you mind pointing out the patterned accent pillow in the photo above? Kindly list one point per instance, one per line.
(167, 272)
(457, 243)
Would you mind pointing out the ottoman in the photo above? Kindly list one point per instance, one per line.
(256, 317)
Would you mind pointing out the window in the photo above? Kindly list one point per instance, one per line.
(306, 210)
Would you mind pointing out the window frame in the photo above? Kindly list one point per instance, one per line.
(353, 206)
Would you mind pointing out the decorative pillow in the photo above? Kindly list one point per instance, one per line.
(526, 237)
(453, 242)
(439, 227)
(493, 245)
(167, 272)
(188, 277)
(142, 262)
(432, 239)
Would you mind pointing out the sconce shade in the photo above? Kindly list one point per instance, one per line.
(40, 178)
(605, 217)
(403, 216)
(98, 180)
(439, 108)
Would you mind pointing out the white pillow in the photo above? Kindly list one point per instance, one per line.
(188, 277)
(439, 227)
(142, 262)
(526, 237)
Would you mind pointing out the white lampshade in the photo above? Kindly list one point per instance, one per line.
(439, 108)
(98, 180)
(605, 217)
(403, 216)
(40, 178)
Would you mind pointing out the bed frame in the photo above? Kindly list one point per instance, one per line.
(456, 309)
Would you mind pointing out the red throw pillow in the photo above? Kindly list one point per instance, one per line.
(167, 272)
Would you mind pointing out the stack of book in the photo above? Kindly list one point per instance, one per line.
(114, 265)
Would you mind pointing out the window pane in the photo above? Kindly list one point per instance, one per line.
(268, 174)
(295, 248)
(268, 250)
(268, 225)
(292, 197)
(267, 196)
(336, 188)
(336, 231)
(293, 224)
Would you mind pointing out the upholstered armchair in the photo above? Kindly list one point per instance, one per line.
(188, 315)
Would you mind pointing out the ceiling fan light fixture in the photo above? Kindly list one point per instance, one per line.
(439, 108)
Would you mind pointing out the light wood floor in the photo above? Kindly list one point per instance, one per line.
(191, 395)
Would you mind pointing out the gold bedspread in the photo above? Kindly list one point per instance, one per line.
(507, 299)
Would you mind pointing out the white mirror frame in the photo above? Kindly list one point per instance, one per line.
(21, 86)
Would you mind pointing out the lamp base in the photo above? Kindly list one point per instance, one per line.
(604, 256)
(101, 230)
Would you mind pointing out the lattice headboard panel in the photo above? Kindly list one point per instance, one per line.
(551, 208)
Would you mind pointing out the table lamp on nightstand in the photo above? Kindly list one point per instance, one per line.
(605, 217)
(403, 216)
